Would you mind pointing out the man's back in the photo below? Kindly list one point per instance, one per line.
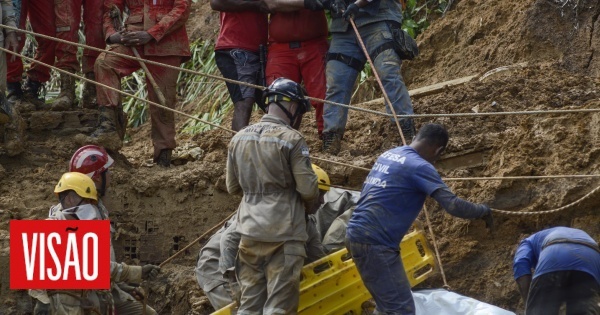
(392, 196)
(269, 163)
(557, 249)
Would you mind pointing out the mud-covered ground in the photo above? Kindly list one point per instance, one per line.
(158, 210)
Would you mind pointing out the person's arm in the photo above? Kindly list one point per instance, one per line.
(524, 282)
(231, 179)
(175, 19)
(314, 247)
(304, 176)
(525, 260)
(238, 5)
(8, 16)
(111, 36)
(457, 206)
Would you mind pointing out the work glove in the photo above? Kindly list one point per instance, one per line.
(317, 5)
(137, 292)
(489, 220)
(41, 308)
(350, 12)
(150, 272)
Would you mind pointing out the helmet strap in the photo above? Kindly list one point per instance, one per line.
(287, 113)
(102, 189)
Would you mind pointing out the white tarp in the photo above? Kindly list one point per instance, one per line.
(442, 302)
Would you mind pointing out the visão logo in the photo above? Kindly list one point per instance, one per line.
(59, 254)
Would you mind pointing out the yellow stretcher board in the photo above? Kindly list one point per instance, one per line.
(332, 285)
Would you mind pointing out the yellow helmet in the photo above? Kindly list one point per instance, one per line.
(78, 182)
(322, 178)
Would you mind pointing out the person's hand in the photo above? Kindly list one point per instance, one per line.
(150, 272)
(115, 38)
(12, 44)
(489, 220)
(350, 12)
(337, 7)
(137, 292)
(135, 38)
(41, 308)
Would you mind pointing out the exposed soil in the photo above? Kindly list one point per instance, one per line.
(160, 210)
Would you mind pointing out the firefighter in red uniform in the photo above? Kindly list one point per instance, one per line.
(243, 30)
(68, 18)
(157, 29)
(297, 49)
(41, 18)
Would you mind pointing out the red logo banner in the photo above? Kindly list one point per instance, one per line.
(60, 254)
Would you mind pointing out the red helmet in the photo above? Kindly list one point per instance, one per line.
(90, 160)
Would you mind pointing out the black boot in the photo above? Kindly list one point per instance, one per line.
(408, 129)
(164, 158)
(332, 143)
(15, 92)
(106, 133)
(32, 94)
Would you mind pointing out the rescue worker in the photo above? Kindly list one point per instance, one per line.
(42, 21)
(95, 162)
(11, 124)
(215, 270)
(391, 198)
(565, 264)
(297, 49)
(243, 30)
(78, 196)
(158, 32)
(269, 164)
(378, 23)
(68, 17)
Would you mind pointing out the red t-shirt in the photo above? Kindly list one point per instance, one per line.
(297, 26)
(245, 30)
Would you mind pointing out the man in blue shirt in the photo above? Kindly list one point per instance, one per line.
(567, 270)
(392, 196)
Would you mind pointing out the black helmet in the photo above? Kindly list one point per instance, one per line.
(283, 89)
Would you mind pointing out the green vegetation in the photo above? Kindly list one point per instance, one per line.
(419, 13)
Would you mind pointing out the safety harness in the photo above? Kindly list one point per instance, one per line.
(354, 63)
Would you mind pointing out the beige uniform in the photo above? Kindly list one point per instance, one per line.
(123, 302)
(269, 163)
(8, 18)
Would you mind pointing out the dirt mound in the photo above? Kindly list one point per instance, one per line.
(157, 211)
(476, 35)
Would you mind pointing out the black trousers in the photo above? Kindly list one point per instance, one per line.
(578, 290)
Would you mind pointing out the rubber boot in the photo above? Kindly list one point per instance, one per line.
(32, 94)
(66, 98)
(106, 133)
(88, 94)
(332, 143)
(164, 158)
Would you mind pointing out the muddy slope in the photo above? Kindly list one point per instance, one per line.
(158, 211)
